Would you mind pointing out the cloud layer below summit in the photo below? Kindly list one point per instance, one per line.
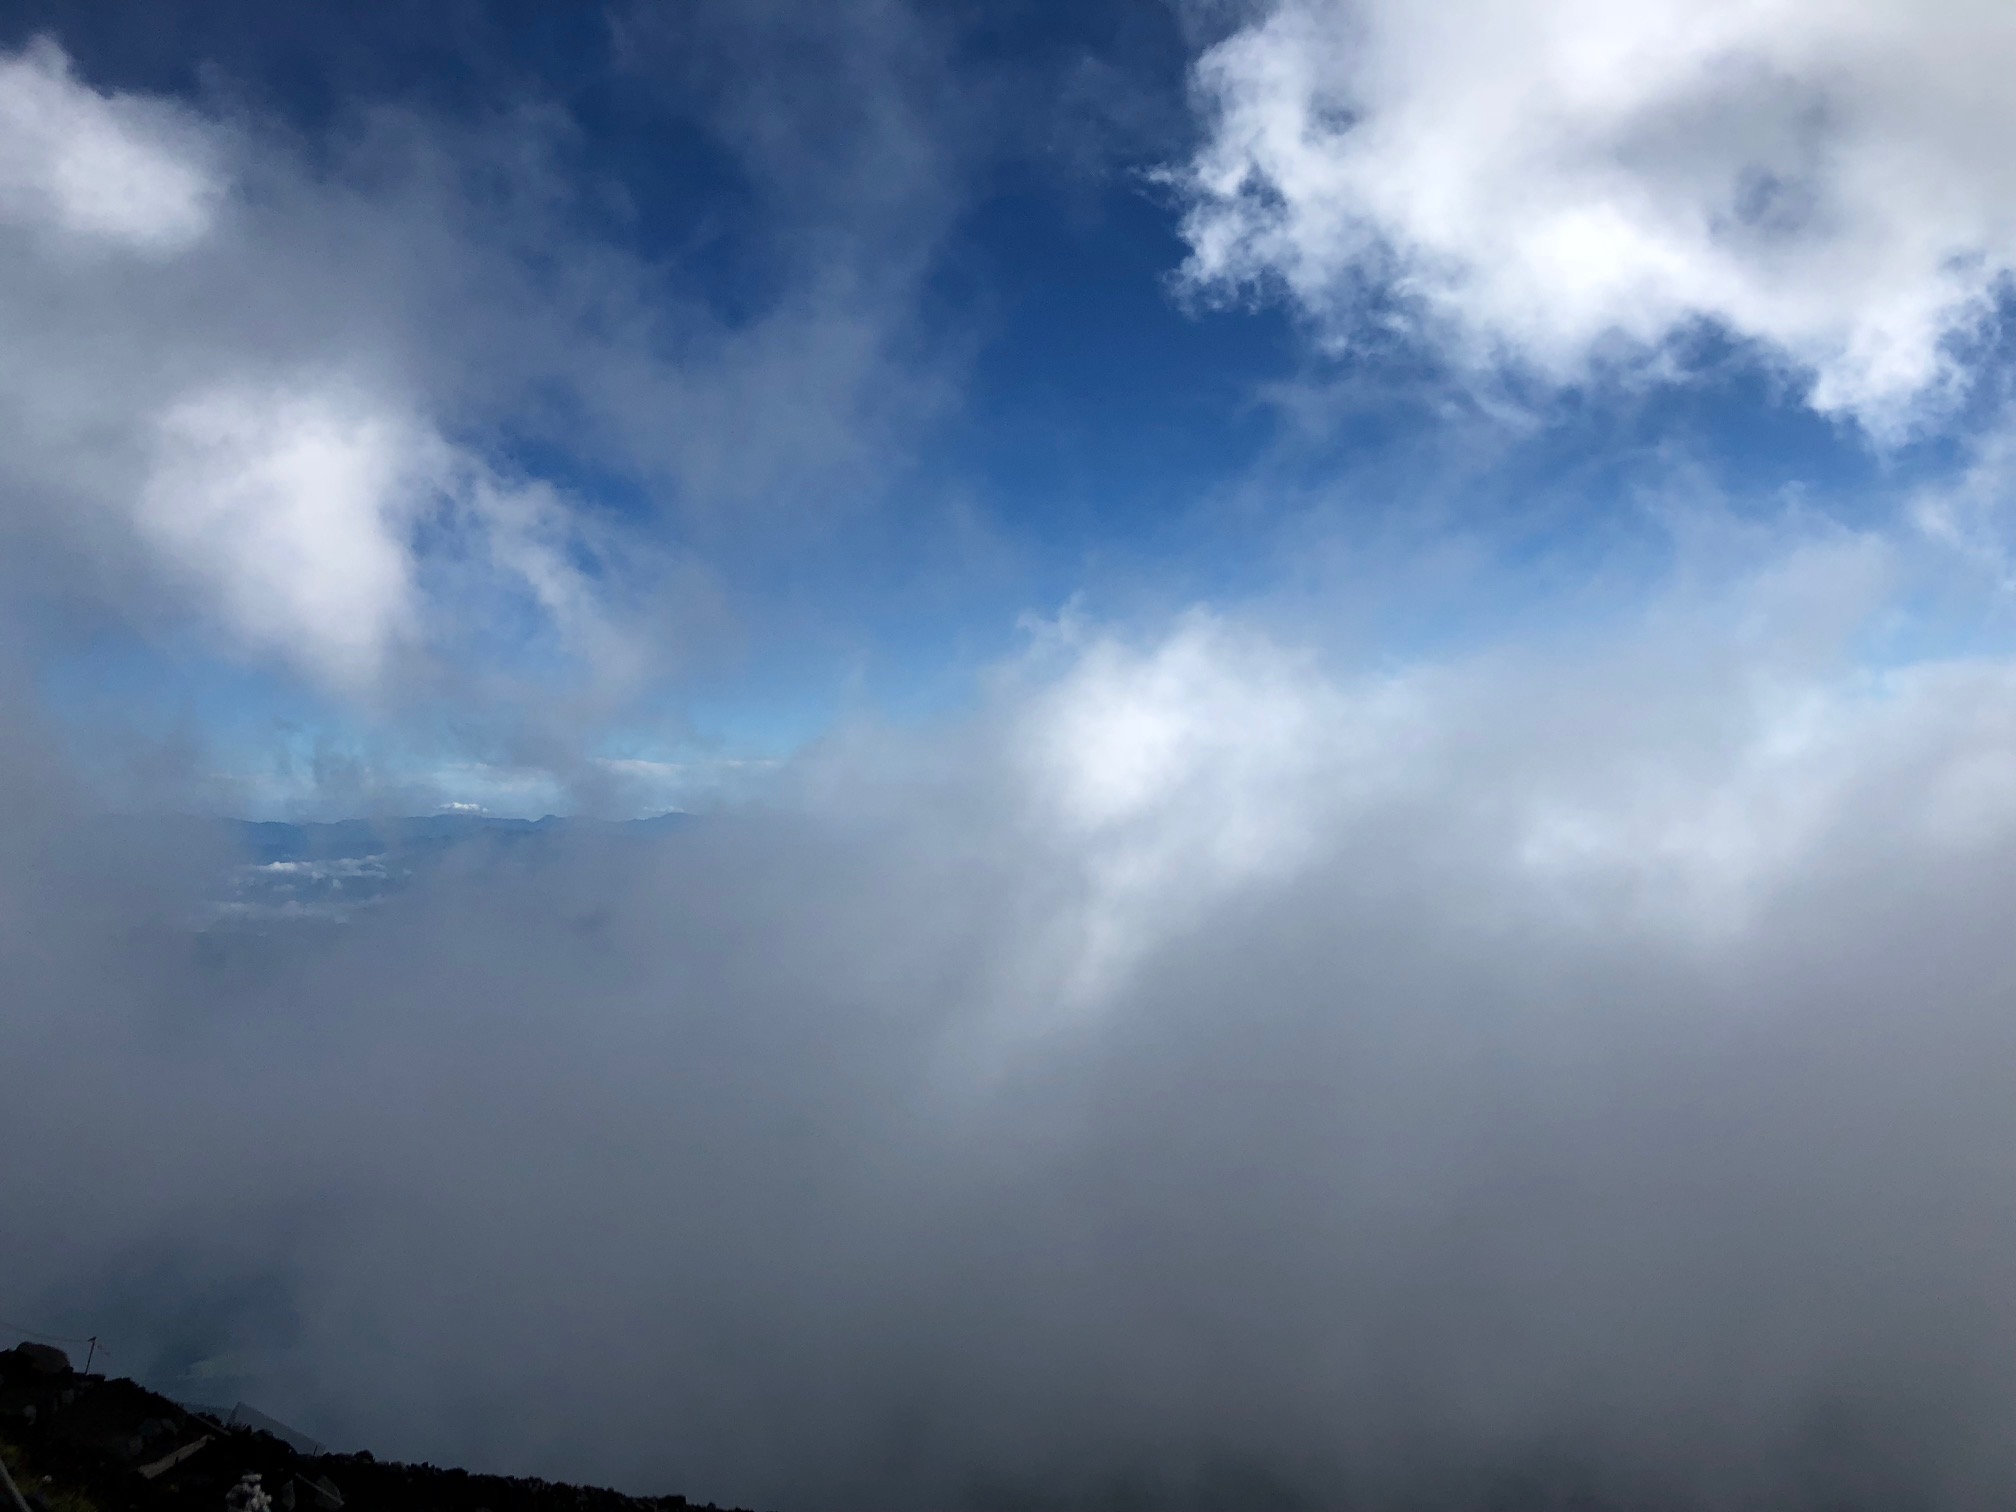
(1209, 1075)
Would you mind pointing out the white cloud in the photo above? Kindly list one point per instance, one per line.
(109, 168)
(292, 511)
(1558, 182)
(1174, 772)
(296, 511)
(1676, 774)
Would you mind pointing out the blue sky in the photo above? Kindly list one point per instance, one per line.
(708, 376)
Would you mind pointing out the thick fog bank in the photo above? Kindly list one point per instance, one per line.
(1207, 1078)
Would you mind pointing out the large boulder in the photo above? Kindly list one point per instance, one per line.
(45, 1358)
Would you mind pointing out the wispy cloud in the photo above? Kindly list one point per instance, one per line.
(288, 400)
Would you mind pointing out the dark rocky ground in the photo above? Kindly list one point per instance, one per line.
(85, 1443)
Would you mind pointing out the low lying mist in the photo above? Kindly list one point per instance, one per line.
(1204, 1078)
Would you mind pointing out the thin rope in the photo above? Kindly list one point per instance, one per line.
(48, 1337)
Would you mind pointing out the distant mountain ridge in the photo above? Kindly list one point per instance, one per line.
(265, 841)
(326, 870)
